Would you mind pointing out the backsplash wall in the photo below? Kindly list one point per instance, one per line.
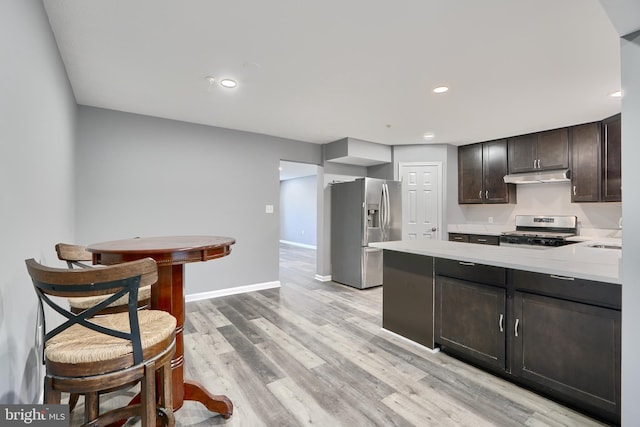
(546, 199)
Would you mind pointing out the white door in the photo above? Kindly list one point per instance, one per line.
(421, 200)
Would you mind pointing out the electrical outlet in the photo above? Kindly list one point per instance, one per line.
(268, 209)
(490, 220)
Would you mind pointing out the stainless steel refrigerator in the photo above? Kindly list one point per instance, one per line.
(363, 211)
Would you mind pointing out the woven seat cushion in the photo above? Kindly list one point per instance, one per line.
(87, 302)
(78, 344)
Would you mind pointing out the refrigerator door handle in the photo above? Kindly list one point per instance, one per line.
(387, 211)
(365, 223)
(384, 212)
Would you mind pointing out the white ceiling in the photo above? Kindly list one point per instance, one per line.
(318, 71)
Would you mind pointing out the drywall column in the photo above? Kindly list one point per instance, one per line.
(630, 57)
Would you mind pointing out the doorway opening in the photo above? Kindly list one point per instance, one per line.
(298, 211)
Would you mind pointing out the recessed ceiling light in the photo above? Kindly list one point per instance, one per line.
(616, 94)
(429, 135)
(440, 89)
(228, 83)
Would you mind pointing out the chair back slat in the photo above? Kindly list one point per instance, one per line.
(74, 255)
(90, 281)
(118, 280)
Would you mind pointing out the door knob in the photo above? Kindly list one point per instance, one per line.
(434, 229)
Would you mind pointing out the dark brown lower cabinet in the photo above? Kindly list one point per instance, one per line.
(484, 240)
(470, 319)
(457, 237)
(570, 349)
(407, 296)
(475, 238)
(557, 335)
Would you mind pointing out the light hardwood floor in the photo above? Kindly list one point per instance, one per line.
(313, 354)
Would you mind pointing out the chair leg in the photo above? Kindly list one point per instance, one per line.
(50, 395)
(73, 401)
(166, 397)
(168, 419)
(148, 395)
(91, 407)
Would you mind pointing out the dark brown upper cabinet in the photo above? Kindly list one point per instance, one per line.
(585, 162)
(481, 169)
(612, 159)
(540, 151)
(596, 161)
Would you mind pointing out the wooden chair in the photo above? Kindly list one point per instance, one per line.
(93, 355)
(78, 256)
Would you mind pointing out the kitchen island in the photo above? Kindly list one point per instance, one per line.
(548, 319)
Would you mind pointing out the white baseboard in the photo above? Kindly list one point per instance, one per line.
(424, 347)
(232, 291)
(322, 278)
(302, 245)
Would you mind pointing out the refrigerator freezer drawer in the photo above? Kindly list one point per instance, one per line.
(371, 267)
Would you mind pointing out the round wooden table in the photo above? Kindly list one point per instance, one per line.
(170, 254)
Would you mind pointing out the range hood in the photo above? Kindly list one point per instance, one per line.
(563, 175)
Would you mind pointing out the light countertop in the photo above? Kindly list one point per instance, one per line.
(577, 260)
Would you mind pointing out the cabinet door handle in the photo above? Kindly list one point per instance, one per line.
(457, 238)
(501, 322)
(553, 276)
(482, 240)
(517, 324)
(534, 164)
(538, 163)
(466, 263)
(480, 194)
(574, 190)
(486, 194)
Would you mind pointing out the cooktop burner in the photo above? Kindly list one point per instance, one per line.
(545, 234)
(538, 230)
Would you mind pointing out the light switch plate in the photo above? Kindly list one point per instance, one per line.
(268, 209)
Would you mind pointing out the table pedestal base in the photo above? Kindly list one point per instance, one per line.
(215, 403)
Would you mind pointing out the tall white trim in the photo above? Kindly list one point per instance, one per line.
(231, 291)
(302, 245)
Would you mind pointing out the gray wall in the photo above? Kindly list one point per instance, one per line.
(145, 176)
(37, 121)
(298, 210)
(630, 54)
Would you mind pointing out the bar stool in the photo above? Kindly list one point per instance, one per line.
(78, 256)
(92, 355)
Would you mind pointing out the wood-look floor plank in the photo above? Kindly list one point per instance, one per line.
(251, 355)
(305, 409)
(394, 373)
(295, 349)
(422, 409)
(321, 390)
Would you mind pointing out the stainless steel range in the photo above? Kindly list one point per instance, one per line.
(539, 231)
